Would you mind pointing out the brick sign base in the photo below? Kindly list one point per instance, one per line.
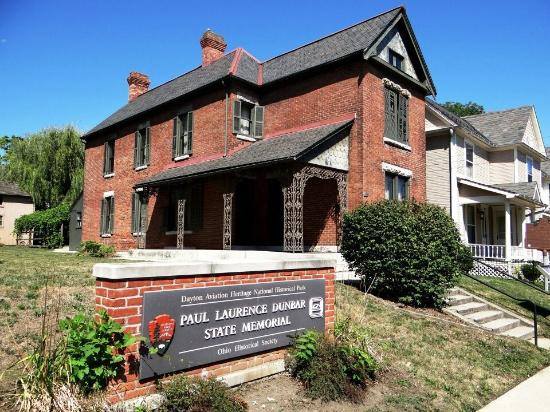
(123, 301)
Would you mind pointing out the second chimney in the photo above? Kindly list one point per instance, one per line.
(213, 45)
(138, 83)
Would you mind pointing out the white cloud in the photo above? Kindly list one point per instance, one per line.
(3, 40)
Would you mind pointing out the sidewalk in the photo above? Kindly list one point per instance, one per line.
(530, 395)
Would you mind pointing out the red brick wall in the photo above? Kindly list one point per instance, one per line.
(353, 87)
(538, 234)
(123, 301)
(320, 213)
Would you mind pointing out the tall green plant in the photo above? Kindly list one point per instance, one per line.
(48, 165)
(45, 223)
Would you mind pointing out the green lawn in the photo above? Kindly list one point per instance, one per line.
(517, 290)
(430, 363)
(25, 275)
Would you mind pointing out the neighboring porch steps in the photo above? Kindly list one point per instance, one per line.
(483, 314)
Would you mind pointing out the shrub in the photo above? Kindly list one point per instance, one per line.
(198, 395)
(94, 349)
(330, 369)
(529, 271)
(45, 223)
(96, 249)
(406, 251)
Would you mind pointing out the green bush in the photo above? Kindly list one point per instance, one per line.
(529, 271)
(96, 249)
(330, 369)
(197, 395)
(94, 349)
(46, 224)
(406, 251)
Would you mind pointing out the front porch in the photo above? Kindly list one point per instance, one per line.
(493, 222)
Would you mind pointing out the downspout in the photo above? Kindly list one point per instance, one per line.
(226, 117)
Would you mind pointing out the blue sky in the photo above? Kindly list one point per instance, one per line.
(67, 61)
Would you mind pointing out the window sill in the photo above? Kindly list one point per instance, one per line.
(108, 175)
(141, 168)
(398, 144)
(136, 234)
(246, 138)
(106, 235)
(182, 157)
(174, 232)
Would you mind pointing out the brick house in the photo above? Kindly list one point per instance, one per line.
(239, 153)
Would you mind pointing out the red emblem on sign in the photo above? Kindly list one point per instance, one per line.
(161, 332)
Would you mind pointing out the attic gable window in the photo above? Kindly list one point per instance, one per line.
(182, 140)
(248, 119)
(396, 111)
(395, 59)
(142, 147)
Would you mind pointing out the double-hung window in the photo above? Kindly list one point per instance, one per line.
(529, 169)
(139, 213)
(107, 215)
(397, 187)
(79, 220)
(396, 115)
(469, 159)
(182, 140)
(248, 119)
(109, 158)
(396, 60)
(142, 147)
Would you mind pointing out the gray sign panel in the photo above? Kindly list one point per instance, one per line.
(199, 326)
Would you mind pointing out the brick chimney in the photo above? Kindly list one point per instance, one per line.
(213, 45)
(138, 83)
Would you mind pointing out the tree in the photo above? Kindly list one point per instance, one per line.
(49, 165)
(464, 109)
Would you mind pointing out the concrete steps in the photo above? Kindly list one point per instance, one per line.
(486, 315)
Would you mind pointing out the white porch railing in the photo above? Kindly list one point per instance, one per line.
(487, 251)
(498, 252)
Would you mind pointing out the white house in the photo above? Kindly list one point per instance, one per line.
(486, 171)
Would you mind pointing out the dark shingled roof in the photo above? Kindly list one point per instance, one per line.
(459, 121)
(526, 190)
(240, 64)
(545, 166)
(503, 127)
(11, 189)
(351, 40)
(286, 147)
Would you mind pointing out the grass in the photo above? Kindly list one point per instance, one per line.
(25, 273)
(432, 363)
(516, 289)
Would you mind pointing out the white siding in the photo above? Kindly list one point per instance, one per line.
(501, 169)
(481, 161)
(438, 185)
(394, 41)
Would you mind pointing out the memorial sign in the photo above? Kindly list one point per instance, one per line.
(198, 326)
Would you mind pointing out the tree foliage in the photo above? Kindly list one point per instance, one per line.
(407, 251)
(464, 109)
(49, 165)
(45, 223)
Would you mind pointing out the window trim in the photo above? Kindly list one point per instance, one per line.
(466, 161)
(397, 120)
(138, 230)
(139, 138)
(395, 185)
(527, 159)
(255, 125)
(78, 221)
(106, 224)
(108, 142)
(179, 132)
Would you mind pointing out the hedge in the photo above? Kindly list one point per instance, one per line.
(47, 223)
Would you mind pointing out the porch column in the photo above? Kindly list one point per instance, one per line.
(507, 227)
(342, 184)
(227, 219)
(293, 209)
(180, 224)
(523, 226)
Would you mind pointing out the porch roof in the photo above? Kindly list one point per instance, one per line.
(289, 146)
(526, 191)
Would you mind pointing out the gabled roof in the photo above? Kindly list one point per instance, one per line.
(11, 189)
(545, 166)
(459, 121)
(526, 190)
(242, 65)
(503, 127)
(289, 146)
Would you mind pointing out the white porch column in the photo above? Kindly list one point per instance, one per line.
(522, 212)
(507, 228)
